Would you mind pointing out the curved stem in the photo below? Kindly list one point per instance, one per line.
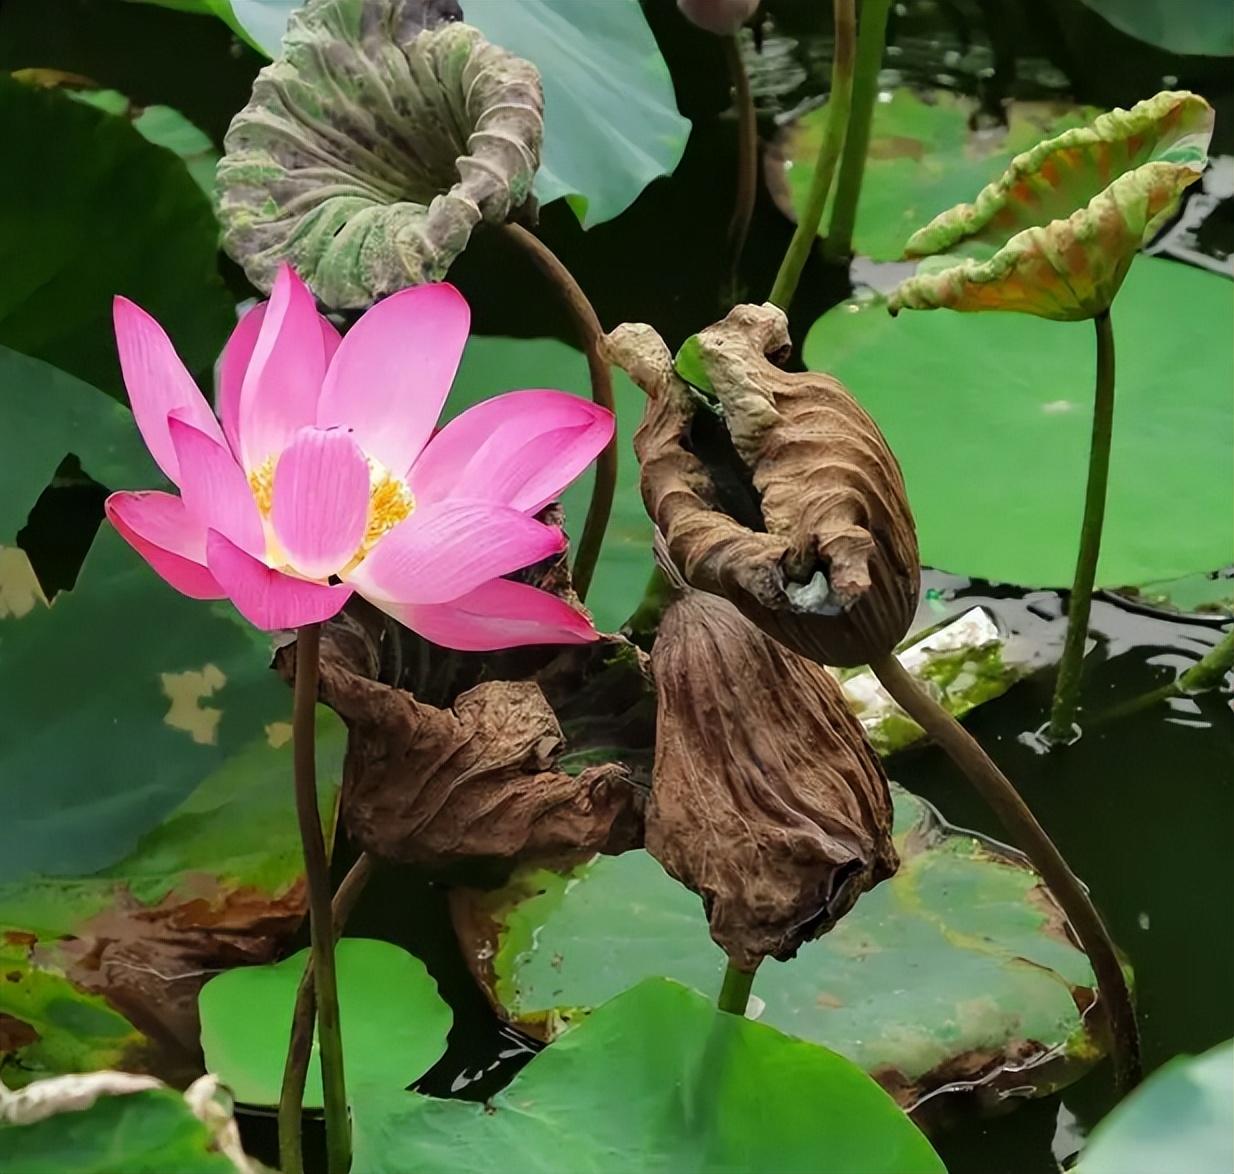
(839, 243)
(1071, 667)
(1022, 826)
(317, 877)
(300, 1049)
(839, 103)
(590, 335)
(747, 157)
(735, 993)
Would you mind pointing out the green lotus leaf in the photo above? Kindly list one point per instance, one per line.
(370, 151)
(1057, 233)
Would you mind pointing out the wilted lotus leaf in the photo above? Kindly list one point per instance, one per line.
(802, 520)
(1057, 233)
(767, 800)
(372, 148)
(474, 783)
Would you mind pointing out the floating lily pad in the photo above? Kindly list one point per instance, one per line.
(102, 212)
(610, 122)
(150, 1131)
(1210, 596)
(394, 1022)
(493, 365)
(990, 416)
(956, 969)
(149, 831)
(1202, 27)
(656, 1080)
(1181, 1118)
(923, 159)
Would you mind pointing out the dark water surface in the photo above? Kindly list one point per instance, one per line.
(1143, 808)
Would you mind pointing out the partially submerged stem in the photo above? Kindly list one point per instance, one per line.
(1207, 673)
(590, 335)
(1071, 667)
(317, 877)
(839, 243)
(300, 1049)
(735, 993)
(839, 104)
(1022, 826)
(747, 157)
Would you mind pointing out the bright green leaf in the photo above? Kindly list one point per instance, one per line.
(956, 956)
(394, 1022)
(494, 365)
(656, 1081)
(102, 212)
(1181, 1118)
(1201, 26)
(990, 416)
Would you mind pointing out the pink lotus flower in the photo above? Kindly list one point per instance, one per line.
(322, 475)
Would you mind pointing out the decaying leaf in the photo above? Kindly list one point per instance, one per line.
(373, 147)
(804, 523)
(474, 783)
(768, 801)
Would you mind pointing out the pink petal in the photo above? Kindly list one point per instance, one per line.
(279, 393)
(521, 449)
(497, 614)
(393, 372)
(320, 502)
(162, 531)
(446, 549)
(269, 599)
(157, 384)
(235, 362)
(215, 490)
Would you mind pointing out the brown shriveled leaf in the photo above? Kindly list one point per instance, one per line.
(768, 800)
(475, 783)
(828, 562)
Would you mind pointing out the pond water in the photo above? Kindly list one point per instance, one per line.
(1141, 807)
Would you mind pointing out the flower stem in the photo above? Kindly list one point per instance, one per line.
(1071, 667)
(747, 157)
(839, 243)
(1022, 826)
(300, 1049)
(317, 876)
(590, 335)
(735, 993)
(839, 103)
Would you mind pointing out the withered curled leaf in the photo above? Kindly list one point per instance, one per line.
(372, 148)
(803, 523)
(473, 784)
(767, 800)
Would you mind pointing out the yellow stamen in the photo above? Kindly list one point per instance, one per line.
(389, 503)
(261, 482)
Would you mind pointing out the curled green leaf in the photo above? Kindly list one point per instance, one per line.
(1056, 234)
(371, 149)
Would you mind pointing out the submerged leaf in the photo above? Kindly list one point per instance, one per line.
(1056, 234)
(767, 799)
(372, 148)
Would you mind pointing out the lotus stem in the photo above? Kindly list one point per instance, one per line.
(747, 158)
(735, 993)
(839, 243)
(1071, 667)
(317, 877)
(839, 104)
(300, 1050)
(657, 595)
(1021, 825)
(590, 336)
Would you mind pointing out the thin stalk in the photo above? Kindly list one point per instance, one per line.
(300, 1049)
(839, 103)
(735, 993)
(839, 243)
(747, 157)
(317, 876)
(1071, 667)
(1021, 825)
(590, 335)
